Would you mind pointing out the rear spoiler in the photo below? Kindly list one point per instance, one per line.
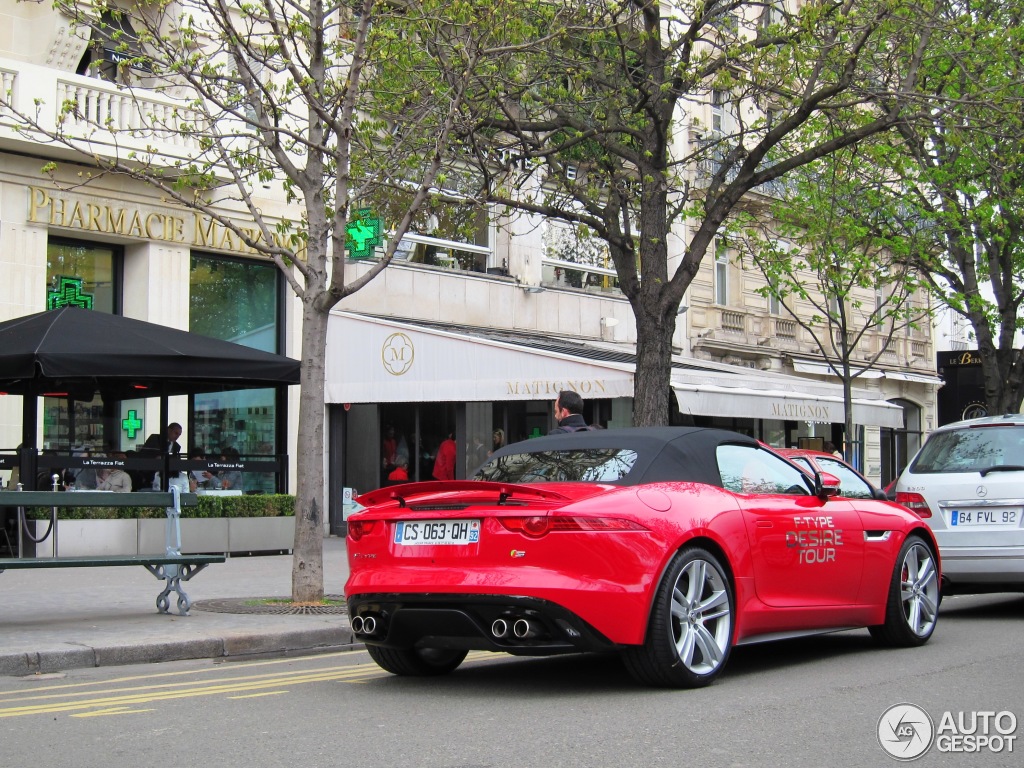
(405, 492)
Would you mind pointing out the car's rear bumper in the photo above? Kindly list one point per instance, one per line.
(982, 569)
(471, 622)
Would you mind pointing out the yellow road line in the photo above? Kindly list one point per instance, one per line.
(245, 685)
(218, 668)
(112, 711)
(58, 693)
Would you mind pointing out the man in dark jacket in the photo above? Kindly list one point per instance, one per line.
(569, 413)
(156, 445)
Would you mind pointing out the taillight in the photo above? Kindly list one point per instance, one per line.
(359, 528)
(538, 526)
(914, 502)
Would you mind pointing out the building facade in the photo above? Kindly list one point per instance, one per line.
(464, 336)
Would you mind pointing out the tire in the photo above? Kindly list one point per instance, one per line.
(912, 607)
(689, 636)
(416, 662)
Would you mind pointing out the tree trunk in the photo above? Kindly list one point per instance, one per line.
(653, 371)
(308, 554)
(1002, 368)
(855, 457)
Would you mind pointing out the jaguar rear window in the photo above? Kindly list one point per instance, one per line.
(597, 465)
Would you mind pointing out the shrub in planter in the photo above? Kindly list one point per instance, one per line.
(266, 505)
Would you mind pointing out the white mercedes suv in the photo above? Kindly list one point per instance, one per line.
(967, 482)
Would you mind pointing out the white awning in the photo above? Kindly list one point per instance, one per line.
(784, 404)
(917, 378)
(375, 360)
(371, 360)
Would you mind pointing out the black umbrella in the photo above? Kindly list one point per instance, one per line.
(73, 353)
(86, 351)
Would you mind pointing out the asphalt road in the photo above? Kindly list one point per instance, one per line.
(812, 702)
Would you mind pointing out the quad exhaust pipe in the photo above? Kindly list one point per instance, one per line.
(512, 628)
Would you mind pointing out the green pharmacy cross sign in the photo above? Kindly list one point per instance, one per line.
(363, 234)
(68, 294)
(131, 424)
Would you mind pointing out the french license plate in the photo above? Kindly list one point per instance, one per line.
(973, 517)
(436, 532)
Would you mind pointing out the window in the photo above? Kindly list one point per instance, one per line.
(971, 449)
(851, 485)
(773, 14)
(598, 465)
(113, 49)
(237, 301)
(82, 274)
(833, 305)
(718, 115)
(774, 303)
(746, 469)
(564, 246)
(722, 275)
(447, 234)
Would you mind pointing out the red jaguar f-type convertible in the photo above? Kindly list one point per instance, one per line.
(669, 545)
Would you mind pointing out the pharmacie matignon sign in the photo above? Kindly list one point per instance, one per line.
(108, 217)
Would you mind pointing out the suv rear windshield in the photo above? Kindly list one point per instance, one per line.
(971, 449)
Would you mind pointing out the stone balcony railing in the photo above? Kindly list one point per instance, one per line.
(96, 116)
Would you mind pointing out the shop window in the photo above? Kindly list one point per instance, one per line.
(899, 445)
(83, 275)
(236, 301)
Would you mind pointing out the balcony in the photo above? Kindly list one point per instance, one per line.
(96, 116)
(734, 322)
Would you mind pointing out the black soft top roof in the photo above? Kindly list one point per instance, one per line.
(664, 453)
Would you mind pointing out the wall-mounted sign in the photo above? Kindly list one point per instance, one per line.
(364, 234)
(68, 293)
(192, 228)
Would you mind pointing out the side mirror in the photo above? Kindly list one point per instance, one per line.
(825, 485)
(879, 494)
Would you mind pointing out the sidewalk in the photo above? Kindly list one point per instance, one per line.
(62, 618)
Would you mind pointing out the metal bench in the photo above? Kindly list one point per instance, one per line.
(172, 566)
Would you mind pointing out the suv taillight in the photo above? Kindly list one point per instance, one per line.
(914, 502)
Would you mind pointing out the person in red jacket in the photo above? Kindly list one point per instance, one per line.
(401, 470)
(444, 464)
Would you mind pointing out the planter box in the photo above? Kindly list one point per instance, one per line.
(198, 535)
(86, 538)
(229, 535)
(261, 534)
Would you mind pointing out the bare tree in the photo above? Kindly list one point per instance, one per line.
(832, 262)
(603, 124)
(275, 92)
